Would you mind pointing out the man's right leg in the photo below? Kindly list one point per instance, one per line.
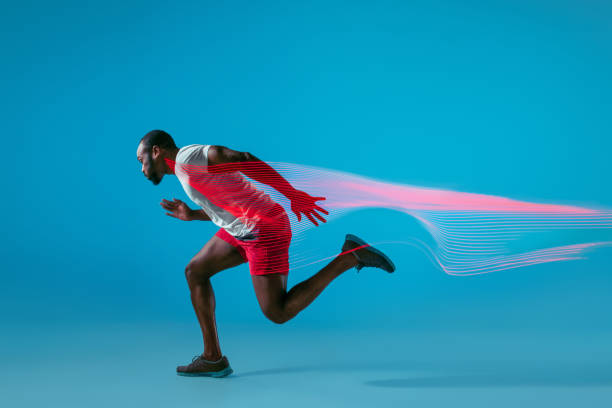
(215, 256)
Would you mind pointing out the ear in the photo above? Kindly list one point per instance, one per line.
(155, 151)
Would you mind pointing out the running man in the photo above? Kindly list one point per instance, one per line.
(261, 237)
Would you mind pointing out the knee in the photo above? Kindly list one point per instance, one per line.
(276, 315)
(196, 273)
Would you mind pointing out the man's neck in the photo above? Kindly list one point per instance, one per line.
(171, 160)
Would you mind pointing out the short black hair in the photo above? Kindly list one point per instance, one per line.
(159, 138)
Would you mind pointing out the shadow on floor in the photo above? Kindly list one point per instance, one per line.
(337, 367)
(469, 373)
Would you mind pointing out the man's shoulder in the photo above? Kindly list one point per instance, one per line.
(193, 154)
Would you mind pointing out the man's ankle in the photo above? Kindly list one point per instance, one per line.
(348, 260)
(212, 356)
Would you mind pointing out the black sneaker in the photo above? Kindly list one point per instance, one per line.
(368, 255)
(200, 367)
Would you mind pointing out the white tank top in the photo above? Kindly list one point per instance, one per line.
(218, 192)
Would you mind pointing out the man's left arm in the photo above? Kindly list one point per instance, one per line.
(222, 159)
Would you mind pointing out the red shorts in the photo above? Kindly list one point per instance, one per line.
(268, 251)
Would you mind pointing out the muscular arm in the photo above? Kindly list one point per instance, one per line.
(199, 215)
(223, 159)
(180, 210)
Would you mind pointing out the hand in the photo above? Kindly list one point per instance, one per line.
(301, 202)
(178, 209)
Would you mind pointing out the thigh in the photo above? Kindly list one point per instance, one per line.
(270, 290)
(269, 253)
(215, 256)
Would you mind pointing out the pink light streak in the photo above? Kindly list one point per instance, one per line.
(472, 233)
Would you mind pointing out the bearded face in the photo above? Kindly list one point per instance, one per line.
(152, 168)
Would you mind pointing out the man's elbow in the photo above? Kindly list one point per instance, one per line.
(248, 157)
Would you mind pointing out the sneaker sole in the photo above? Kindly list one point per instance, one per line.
(225, 372)
(356, 239)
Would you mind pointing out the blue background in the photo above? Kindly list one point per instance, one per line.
(509, 98)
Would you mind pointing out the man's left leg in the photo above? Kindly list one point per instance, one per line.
(279, 305)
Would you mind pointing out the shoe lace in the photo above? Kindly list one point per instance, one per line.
(193, 360)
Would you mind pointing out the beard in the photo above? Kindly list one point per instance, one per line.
(155, 178)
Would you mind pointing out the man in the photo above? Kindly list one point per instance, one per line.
(253, 228)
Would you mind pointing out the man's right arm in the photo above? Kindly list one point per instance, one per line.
(180, 210)
(199, 215)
